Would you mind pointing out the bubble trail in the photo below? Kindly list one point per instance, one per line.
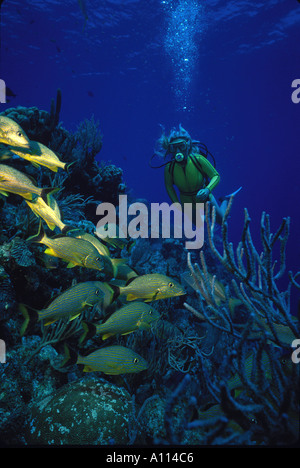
(183, 32)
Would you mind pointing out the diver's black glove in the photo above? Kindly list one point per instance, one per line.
(202, 195)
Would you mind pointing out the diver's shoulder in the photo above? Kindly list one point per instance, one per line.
(197, 156)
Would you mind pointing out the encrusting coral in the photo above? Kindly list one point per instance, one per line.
(82, 412)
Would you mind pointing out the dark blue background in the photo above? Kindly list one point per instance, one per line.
(115, 66)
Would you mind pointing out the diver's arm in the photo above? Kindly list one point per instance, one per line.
(169, 186)
(210, 171)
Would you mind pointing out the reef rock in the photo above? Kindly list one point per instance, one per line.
(87, 411)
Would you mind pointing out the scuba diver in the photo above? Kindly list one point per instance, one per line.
(190, 171)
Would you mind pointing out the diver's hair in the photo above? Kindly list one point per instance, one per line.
(163, 142)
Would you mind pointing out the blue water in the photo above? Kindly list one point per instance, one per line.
(223, 69)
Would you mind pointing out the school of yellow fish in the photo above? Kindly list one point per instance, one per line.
(79, 248)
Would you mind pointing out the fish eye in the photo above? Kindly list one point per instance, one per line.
(171, 285)
(19, 134)
(97, 292)
(135, 361)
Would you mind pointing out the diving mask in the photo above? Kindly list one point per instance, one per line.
(179, 149)
(178, 146)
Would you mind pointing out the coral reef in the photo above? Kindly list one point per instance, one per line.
(84, 412)
(38, 124)
(257, 386)
(90, 178)
(219, 360)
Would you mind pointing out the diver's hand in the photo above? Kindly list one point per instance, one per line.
(202, 195)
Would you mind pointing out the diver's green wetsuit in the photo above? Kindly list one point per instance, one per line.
(190, 177)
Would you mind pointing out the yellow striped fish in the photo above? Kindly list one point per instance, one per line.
(218, 292)
(12, 134)
(81, 234)
(49, 212)
(125, 272)
(214, 412)
(77, 252)
(14, 181)
(117, 240)
(131, 317)
(150, 287)
(112, 360)
(40, 155)
(67, 305)
(110, 264)
(284, 332)
(235, 384)
(108, 295)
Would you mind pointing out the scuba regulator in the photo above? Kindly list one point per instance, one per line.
(178, 148)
